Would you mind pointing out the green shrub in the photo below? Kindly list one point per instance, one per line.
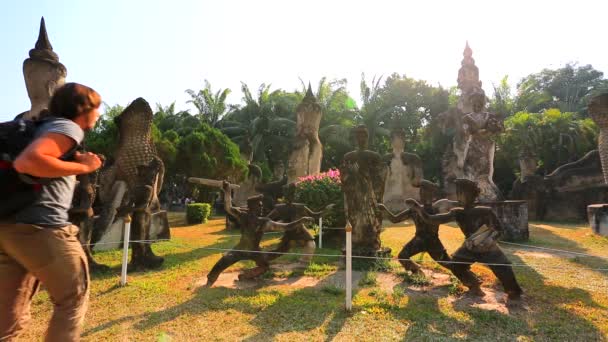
(320, 190)
(198, 213)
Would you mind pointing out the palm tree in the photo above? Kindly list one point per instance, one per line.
(259, 128)
(211, 107)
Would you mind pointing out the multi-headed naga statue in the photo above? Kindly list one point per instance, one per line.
(133, 182)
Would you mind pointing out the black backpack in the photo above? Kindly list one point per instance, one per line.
(19, 190)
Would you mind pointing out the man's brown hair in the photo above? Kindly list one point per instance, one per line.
(72, 100)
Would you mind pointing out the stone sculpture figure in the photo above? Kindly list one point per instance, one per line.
(471, 129)
(598, 109)
(481, 127)
(82, 214)
(127, 180)
(363, 175)
(289, 212)
(252, 226)
(426, 238)
(305, 158)
(404, 174)
(43, 73)
(481, 227)
(271, 192)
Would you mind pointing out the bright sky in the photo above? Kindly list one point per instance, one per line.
(157, 49)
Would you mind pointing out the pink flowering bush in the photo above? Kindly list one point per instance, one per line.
(318, 191)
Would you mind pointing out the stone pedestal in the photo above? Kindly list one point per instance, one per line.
(113, 237)
(598, 218)
(514, 218)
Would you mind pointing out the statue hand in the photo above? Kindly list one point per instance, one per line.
(413, 203)
(330, 207)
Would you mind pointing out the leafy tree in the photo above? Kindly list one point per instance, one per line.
(264, 126)
(566, 88)
(211, 106)
(502, 101)
(103, 138)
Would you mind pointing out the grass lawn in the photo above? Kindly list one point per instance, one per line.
(566, 296)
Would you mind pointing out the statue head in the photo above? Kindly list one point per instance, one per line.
(254, 204)
(289, 192)
(361, 137)
(468, 75)
(398, 140)
(478, 100)
(428, 192)
(466, 191)
(42, 73)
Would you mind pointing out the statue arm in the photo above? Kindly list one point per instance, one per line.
(273, 225)
(433, 219)
(232, 211)
(316, 214)
(402, 216)
(273, 214)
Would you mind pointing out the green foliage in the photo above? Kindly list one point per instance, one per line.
(211, 107)
(208, 153)
(103, 138)
(319, 191)
(369, 279)
(554, 137)
(566, 88)
(197, 213)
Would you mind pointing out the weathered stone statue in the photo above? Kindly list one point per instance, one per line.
(134, 180)
(363, 175)
(82, 214)
(247, 187)
(404, 174)
(271, 192)
(252, 227)
(598, 213)
(481, 227)
(471, 152)
(43, 73)
(426, 238)
(289, 212)
(305, 158)
(481, 127)
(598, 109)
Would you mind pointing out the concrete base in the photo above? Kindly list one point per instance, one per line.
(514, 218)
(597, 215)
(112, 239)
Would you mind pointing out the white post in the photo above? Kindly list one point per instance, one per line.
(349, 267)
(320, 231)
(125, 250)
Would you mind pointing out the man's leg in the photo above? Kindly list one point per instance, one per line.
(17, 287)
(57, 259)
(503, 273)
(225, 261)
(413, 247)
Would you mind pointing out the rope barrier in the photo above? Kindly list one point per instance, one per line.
(554, 250)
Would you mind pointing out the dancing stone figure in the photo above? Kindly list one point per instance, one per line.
(252, 226)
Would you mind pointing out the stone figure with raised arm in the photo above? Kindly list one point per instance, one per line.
(426, 238)
(252, 226)
(481, 228)
(289, 212)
